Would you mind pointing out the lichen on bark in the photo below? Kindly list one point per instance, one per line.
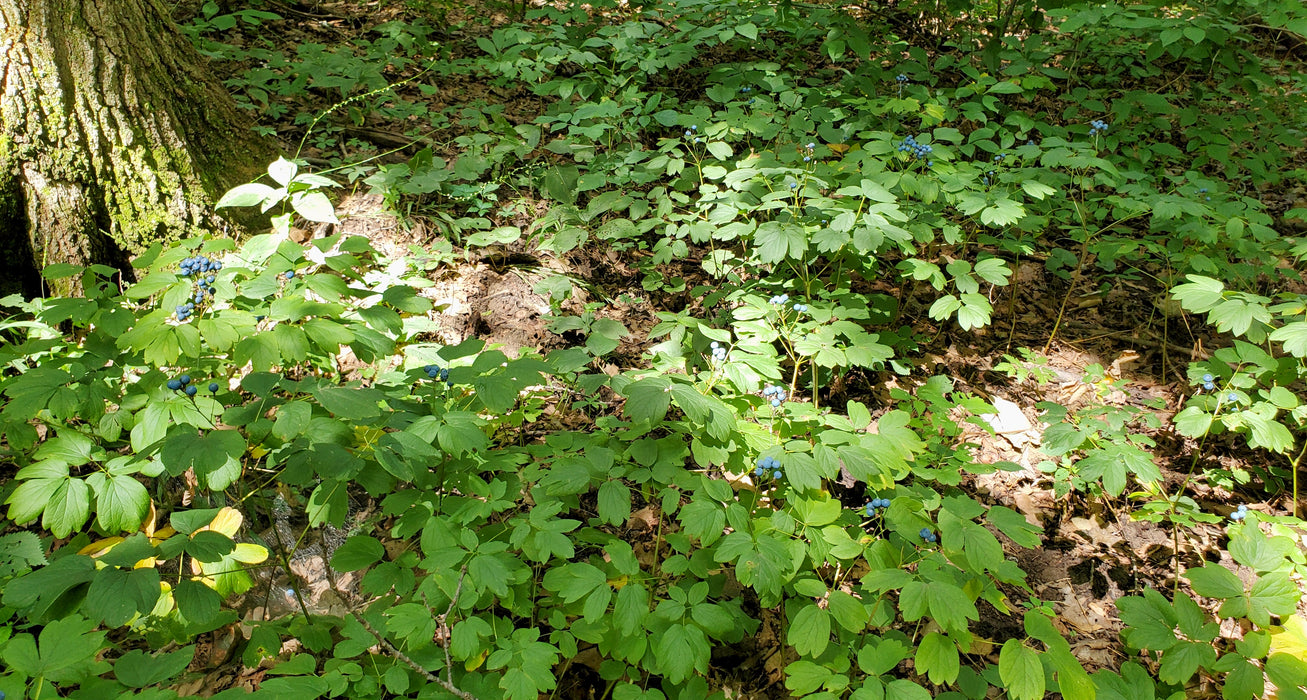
(114, 133)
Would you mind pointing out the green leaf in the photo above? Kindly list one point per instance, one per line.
(1294, 337)
(358, 552)
(614, 502)
(209, 546)
(138, 669)
(809, 631)
(574, 581)
(196, 601)
(937, 657)
(246, 195)
(648, 399)
(1244, 682)
(1015, 526)
(902, 689)
(121, 502)
(68, 508)
(1215, 581)
(681, 649)
(1273, 594)
(1183, 660)
(1003, 212)
(1200, 294)
(775, 241)
(350, 403)
(67, 651)
(1021, 671)
(804, 676)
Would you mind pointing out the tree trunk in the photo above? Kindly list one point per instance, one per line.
(114, 135)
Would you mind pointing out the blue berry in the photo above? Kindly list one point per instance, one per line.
(184, 379)
(1209, 386)
(1232, 396)
(174, 384)
(870, 510)
(213, 387)
(776, 474)
(290, 274)
(775, 403)
(444, 376)
(1202, 190)
(192, 390)
(1208, 377)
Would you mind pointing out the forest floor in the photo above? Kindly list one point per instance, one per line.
(1089, 342)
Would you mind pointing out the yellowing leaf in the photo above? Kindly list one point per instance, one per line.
(1291, 639)
(475, 662)
(247, 553)
(98, 548)
(227, 521)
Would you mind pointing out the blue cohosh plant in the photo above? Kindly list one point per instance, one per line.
(536, 516)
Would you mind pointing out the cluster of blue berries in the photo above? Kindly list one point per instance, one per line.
(201, 268)
(800, 307)
(1209, 382)
(747, 90)
(875, 503)
(920, 151)
(768, 464)
(718, 352)
(1203, 191)
(1097, 127)
(901, 78)
(1240, 514)
(183, 384)
(692, 133)
(998, 158)
(775, 393)
(809, 147)
(438, 373)
(778, 299)
(928, 536)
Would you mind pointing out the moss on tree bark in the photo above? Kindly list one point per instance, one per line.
(113, 133)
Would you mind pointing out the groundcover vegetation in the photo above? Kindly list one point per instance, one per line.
(757, 484)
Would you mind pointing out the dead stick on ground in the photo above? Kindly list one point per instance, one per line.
(390, 648)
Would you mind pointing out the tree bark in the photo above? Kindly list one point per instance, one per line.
(114, 135)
